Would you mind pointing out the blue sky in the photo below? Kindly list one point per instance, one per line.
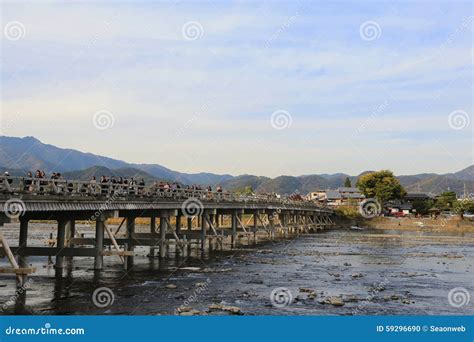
(193, 85)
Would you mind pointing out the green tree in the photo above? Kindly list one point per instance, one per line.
(422, 207)
(382, 185)
(462, 207)
(446, 200)
(247, 191)
(347, 183)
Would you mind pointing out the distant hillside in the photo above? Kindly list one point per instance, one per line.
(241, 182)
(17, 155)
(465, 174)
(31, 154)
(439, 183)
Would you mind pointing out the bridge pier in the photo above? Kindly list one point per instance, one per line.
(130, 244)
(271, 224)
(99, 243)
(233, 227)
(204, 218)
(70, 231)
(151, 254)
(162, 235)
(178, 223)
(284, 223)
(190, 229)
(23, 244)
(60, 240)
(255, 225)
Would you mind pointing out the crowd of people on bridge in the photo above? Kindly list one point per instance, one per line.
(110, 185)
(105, 184)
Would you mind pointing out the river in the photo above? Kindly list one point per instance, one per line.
(335, 272)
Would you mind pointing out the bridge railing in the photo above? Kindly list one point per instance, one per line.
(114, 191)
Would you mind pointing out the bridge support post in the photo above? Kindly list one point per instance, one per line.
(162, 236)
(190, 228)
(178, 248)
(204, 218)
(234, 228)
(255, 226)
(60, 239)
(70, 234)
(130, 244)
(153, 231)
(22, 244)
(70, 231)
(283, 222)
(271, 223)
(99, 243)
(178, 223)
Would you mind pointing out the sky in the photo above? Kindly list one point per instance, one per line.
(247, 87)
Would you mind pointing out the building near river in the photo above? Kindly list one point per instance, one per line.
(340, 196)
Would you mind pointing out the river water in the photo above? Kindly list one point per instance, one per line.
(335, 272)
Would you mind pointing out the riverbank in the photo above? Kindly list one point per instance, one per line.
(441, 224)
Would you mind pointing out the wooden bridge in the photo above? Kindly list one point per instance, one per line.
(180, 217)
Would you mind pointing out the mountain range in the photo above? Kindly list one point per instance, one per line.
(19, 155)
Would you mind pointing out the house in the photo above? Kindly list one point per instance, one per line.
(398, 206)
(417, 196)
(316, 195)
(340, 196)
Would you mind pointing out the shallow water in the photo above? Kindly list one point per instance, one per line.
(382, 272)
